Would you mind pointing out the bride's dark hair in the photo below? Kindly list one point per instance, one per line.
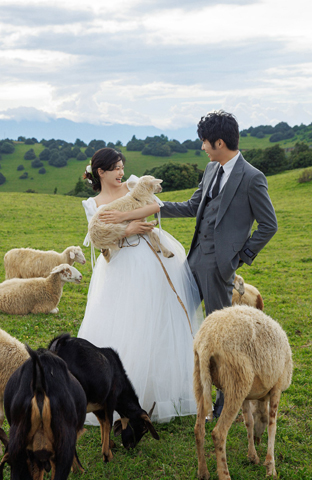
(106, 159)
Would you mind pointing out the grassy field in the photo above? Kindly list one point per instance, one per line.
(282, 272)
(64, 179)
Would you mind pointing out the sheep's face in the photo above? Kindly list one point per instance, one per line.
(151, 183)
(77, 255)
(239, 284)
(67, 273)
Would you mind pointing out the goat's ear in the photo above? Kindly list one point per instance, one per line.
(117, 428)
(156, 180)
(72, 255)
(150, 426)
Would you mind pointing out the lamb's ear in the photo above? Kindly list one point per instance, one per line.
(156, 180)
(72, 255)
(58, 269)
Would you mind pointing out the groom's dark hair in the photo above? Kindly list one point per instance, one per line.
(219, 124)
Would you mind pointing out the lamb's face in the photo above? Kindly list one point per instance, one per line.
(239, 284)
(152, 183)
(78, 255)
(68, 273)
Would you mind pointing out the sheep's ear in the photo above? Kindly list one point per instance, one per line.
(58, 269)
(72, 255)
(131, 183)
(156, 180)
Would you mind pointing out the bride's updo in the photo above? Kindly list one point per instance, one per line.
(106, 159)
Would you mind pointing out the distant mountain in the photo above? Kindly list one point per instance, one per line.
(69, 131)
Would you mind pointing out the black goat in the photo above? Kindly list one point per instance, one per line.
(107, 387)
(45, 407)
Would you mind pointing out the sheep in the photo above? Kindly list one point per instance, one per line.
(246, 354)
(12, 355)
(245, 294)
(107, 387)
(45, 406)
(20, 296)
(105, 236)
(30, 263)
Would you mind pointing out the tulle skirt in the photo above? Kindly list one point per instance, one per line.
(132, 308)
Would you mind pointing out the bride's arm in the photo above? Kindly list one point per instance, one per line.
(114, 216)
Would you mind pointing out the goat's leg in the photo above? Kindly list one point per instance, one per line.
(199, 431)
(269, 463)
(232, 404)
(249, 423)
(105, 432)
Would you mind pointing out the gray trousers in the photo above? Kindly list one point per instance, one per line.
(215, 292)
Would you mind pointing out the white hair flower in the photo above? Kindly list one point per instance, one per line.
(89, 169)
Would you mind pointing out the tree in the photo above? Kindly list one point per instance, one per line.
(175, 146)
(135, 145)
(271, 161)
(89, 151)
(7, 147)
(176, 176)
(42, 171)
(79, 187)
(75, 151)
(29, 141)
(2, 179)
(193, 144)
(302, 160)
(118, 143)
(20, 167)
(30, 154)
(97, 144)
(21, 139)
(57, 160)
(80, 143)
(157, 150)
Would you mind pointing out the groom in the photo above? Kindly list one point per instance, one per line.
(231, 195)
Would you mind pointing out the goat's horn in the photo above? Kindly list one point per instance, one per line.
(151, 410)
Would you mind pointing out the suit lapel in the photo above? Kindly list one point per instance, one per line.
(210, 176)
(230, 187)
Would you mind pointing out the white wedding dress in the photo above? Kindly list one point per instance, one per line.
(132, 308)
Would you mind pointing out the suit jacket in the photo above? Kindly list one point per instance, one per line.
(245, 199)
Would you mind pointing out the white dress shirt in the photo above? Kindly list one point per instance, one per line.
(227, 167)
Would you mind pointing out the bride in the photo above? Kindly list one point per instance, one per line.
(131, 306)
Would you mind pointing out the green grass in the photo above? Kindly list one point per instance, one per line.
(64, 179)
(282, 272)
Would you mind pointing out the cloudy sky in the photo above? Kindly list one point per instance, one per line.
(156, 62)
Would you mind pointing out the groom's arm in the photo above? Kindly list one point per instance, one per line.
(183, 209)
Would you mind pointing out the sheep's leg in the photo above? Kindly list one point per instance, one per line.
(249, 423)
(269, 463)
(199, 431)
(260, 412)
(232, 404)
(158, 246)
(106, 254)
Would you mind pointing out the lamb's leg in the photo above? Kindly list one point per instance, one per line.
(249, 423)
(106, 254)
(199, 431)
(269, 463)
(158, 246)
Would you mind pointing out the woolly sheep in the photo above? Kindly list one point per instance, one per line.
(30, 263)
(12, 355)
(20, 296)
(246, 354)
(245, 294)
(105, 236)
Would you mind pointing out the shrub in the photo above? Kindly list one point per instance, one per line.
(80, 143)
(36, 163)
(7, 147)
(29, 141)
(193, 145)
(272, 160)
(42, 171)
(30, 154)
(30, 191)
(2, 179)
(176, 146)
(135, 145)
(75, 151)
(302, 160)
(45, 154)
(197, 152)
(89, 151)
(306, 176)
(24, 175)
(176, 176)
(81, 157)
(157, 150)
(97, 144)
(57, 160)
(20, 167)
(260, 134)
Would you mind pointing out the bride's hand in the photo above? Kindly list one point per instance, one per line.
(137, 227)
(113, 216)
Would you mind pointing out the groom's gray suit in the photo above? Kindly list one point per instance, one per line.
(222, 241)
